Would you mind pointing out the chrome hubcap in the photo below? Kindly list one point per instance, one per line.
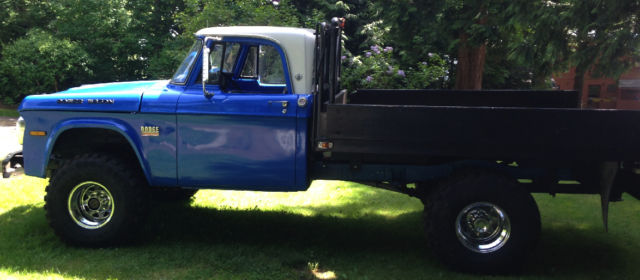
(90, 205)
(483, 227)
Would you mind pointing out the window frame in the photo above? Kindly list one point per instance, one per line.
(256, 62)
(197, 59)
(255, 41)
(258, 69)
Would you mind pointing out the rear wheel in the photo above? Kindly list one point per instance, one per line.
(94, 200)
(482, 222)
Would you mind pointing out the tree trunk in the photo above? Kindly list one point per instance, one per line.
(581, 69)
(578, 82)
(471, 61)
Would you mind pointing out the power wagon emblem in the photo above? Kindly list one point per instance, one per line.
(150, 130)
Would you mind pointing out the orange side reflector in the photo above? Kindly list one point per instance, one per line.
(37, 133)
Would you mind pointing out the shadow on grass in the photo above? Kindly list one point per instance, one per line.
(566, 251)
(192, 242)
(177, 223)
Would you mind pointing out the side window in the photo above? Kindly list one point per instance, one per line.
(222, 57)
(230, 56)
(250, 68)
(215, 61)
(270, 68)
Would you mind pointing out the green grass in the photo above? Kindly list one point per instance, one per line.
(8, 112)
(334, 229)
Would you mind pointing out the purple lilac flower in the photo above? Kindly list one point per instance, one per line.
(390, 69)
(343, 57)
(375, 48)
(425, 63)
(368, 79)
(401, 73)
(388, 49)
(367, 54)
(430, 54)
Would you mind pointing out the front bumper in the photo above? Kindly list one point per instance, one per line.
(11, 163)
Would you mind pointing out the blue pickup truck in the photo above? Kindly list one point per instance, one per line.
(260, 108)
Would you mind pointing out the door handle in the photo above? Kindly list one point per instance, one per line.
(284, 103)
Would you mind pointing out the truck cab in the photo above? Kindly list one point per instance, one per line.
(252, 112)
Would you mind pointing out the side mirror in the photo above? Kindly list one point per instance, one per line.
(205, 69)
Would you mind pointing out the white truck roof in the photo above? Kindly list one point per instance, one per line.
(297, 44)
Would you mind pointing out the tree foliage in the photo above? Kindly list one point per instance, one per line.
(38, 63)
(505, 44)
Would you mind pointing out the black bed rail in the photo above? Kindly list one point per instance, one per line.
(326, 71)
(327, 62)
(468, 98)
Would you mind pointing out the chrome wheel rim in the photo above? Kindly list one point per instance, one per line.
(91, 205)
(483, 227)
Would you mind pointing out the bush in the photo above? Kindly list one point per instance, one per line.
(376, 68)
(40, 63)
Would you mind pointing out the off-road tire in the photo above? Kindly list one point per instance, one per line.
(461, 190)
(124, 184)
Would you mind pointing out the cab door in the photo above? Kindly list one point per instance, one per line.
(244, 136)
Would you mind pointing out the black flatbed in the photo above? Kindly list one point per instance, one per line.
(363, 129)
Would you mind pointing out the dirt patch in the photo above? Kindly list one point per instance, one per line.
(8, 137)
(8, 121)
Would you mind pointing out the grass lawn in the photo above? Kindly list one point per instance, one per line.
(9, 112)
(334, 230)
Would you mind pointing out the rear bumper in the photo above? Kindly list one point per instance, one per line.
(11, 162)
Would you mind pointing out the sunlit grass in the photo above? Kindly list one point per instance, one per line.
(335, 230)
(322, 199)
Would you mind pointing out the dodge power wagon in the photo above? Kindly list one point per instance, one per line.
(261, 108)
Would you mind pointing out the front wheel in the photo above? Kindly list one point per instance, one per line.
(482, 222)
(94, 200)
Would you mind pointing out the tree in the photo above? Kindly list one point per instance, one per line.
(597, 37)
(604, 37)
(195, 15)
(19, 16)
(40, 63)
(462, 29)
(101, 28)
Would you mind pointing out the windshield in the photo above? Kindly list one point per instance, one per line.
(183, 71)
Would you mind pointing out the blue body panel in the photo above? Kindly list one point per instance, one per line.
(125, 97)
(240, 141)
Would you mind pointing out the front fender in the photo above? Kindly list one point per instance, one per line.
(33, 156)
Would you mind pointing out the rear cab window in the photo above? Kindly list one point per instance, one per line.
(264, 64)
